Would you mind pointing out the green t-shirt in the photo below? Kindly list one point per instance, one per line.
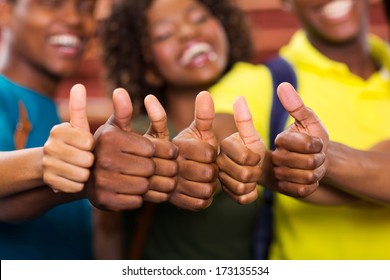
(222, 231)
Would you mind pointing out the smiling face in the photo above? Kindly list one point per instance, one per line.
(188, 45)
(48, 35)
(335, 21)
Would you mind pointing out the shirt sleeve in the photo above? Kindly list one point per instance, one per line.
(8, 121)
(253, 82)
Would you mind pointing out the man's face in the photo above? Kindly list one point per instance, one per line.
(334, 21)
(50, 35)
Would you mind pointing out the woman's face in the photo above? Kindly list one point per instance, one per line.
(188, 45)
(50, 35)
(335, 21)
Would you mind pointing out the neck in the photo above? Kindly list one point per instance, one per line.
(355, 54)
(181, 106)
(27, 74)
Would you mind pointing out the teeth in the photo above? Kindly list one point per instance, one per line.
(65, 41)
(337, 9)
(195, 50)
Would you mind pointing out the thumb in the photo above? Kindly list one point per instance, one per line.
(123, 109)
(157, 116)
(245, 126)
(77, 107)
(204, 113)
(294, 105)
(305, 119)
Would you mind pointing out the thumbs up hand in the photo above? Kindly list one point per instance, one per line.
(198, 171)
(67, 154)
(123, 162)
(300, 156)
(241, 157)
(163, 182)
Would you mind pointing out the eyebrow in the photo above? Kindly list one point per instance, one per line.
(188, 10)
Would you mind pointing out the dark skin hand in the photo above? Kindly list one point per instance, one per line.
(241, 157)
(299, 158)
(122, 169)
(131, 168)
(308, 165)
(164, 179)
(198, 171)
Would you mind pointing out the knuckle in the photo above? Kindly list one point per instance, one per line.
(48, 148)
(304, 191)
(100, 180)
(47, 178)
(89, 142)
(209, 173)
(46, 162)
(199, 205)
(90, 159)
(149, 167)
(143, 186)
(245, 175)
(244, 158)
(210, 154)
(242, 200)
(240, 189)
(171, 184)
(55, 130)
(73, 188)
(84, 174)
(311, 177)
(207, 191)
(173, 150)
(104, 162)
(311, 162)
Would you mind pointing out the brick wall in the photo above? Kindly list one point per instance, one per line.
(271, 28)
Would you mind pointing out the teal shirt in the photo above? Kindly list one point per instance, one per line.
(222, 231)
(63, 232)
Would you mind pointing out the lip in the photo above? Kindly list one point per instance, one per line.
(197, 54)
(337, 10)
(66, 44)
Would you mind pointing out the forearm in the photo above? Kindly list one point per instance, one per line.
(20, 170)
(30, 204)
(361, 173)
(323, 195)
(108, 234)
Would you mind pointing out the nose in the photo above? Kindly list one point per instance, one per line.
(70, 14)
(188, 30)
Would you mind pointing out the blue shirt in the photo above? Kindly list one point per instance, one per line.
(63, 232)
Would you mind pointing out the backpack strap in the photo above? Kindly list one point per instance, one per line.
(281, 71)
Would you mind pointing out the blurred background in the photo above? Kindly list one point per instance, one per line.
(271, 28)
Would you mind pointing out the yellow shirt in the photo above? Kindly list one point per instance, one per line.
(356, 112)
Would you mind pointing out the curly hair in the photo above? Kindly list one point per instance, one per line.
(123, 35)
(387, 10)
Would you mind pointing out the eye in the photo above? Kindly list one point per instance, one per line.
(86, 6)
(162, 32)
(199, 16)
(52, 3)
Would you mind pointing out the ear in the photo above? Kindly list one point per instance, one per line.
(5, 13)
(287, 5)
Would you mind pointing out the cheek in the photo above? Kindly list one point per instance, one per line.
(163, 55)
(221, 43)
(89, 29)
(216, 31)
